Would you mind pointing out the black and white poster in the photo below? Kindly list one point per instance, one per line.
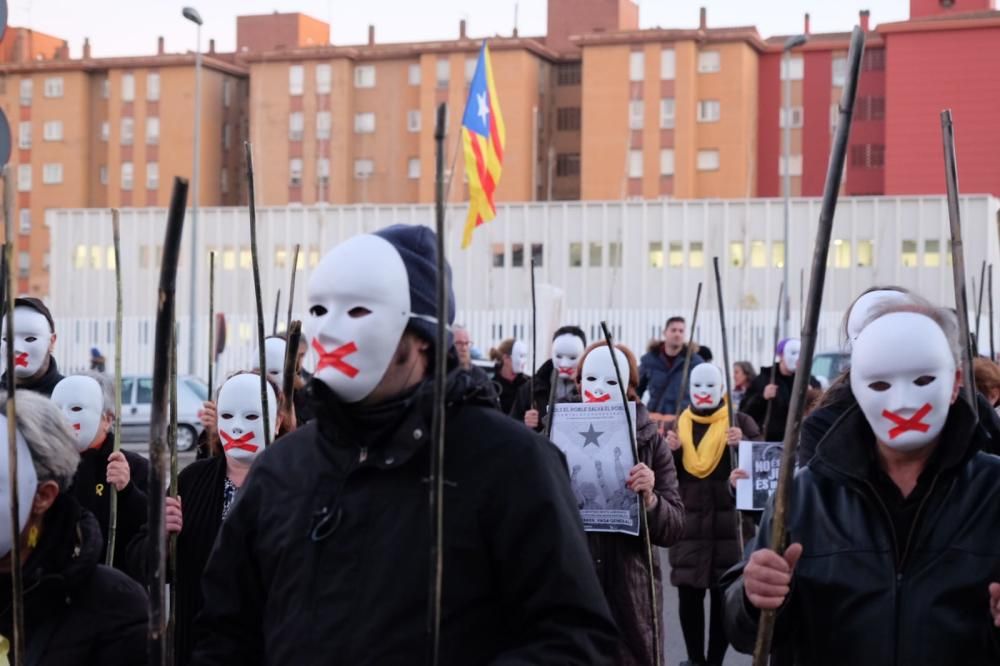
(595, 439)
(762, 461)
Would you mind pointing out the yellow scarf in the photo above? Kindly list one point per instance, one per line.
(702, 460)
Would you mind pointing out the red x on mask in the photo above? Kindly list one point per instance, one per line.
(242, 442)
(904, 424)
(21, 361)
(590, 397)
(702, 399)
(335, 358)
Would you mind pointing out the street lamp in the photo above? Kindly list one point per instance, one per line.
(191, 14)
(790, 43)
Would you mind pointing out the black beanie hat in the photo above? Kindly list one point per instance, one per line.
(38, 306)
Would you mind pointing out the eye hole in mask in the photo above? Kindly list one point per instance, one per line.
(613, 382)
(225, 415)
(77, 408)
(591, 378)
(30, 338)
(317, 311)
(924, 380)
(880, 386)
(359, 312)
(252, 417)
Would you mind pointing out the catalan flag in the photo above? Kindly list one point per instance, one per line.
(483, 136)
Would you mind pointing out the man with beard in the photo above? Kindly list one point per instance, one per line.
(326, 553)
(661, 371)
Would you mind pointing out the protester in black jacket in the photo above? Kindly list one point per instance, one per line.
(509, 358)
(893, 556)
(35, 369)
(326, 553)
(531, 407)
(779, 394)
(87, 401)
(76, 610)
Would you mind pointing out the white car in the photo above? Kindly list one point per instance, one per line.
(137, 396)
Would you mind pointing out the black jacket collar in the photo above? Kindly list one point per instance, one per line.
(44, 384)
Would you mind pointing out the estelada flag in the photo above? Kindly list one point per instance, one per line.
(483, 137)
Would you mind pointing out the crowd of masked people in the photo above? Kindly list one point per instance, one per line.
(317, 548)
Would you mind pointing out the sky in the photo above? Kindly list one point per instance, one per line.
(130, 27)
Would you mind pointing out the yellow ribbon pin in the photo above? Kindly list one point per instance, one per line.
(100, 493)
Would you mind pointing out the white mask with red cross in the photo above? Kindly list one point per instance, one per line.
(903, 376)
(600, 382)
(566, 352)
(241, 422)
(706, 386)
(32, 337)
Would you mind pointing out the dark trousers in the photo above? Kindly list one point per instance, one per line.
(692, 617)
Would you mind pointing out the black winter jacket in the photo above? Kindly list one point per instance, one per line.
(324, 554)
(754, 404)
(851, 603)
(77, 611)
(539, 399)
(664, 381)
(44, 384)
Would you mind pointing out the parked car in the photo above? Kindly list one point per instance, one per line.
(137, 396)
(827, 366)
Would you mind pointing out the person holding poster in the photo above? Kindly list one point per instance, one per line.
(621, 559)
(700, 442)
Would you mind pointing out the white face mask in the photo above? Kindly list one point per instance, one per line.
(600, 382)
(864, 307)
(790, 354)
(903, 376)
(27, 484)
(274, 357)
(32, 336)
(518, 357)
(566, 352)
(359, 302)
(706, 386)
(241, 425)
(82, 402)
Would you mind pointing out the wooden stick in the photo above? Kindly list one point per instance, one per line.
(438, 420)
(989, 277)
(248, 152)
(109, 558)
(765, 629)
(774, 354)
(958, 255)
(979, 302)
(172, 491)
(534, 336)
(211, 324)
(17, 580)
(291, 287)
(726, 369)
(687, 357)
(158, 444)
(290, 369)
(277, 306)
(623, 381)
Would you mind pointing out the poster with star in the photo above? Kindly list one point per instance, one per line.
(595, 439)
(762, 461)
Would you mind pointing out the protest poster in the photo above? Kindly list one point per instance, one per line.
(762, 460)
(595, 440)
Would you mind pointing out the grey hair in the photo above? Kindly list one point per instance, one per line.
(107, 385)
(49, 438)
(945, 318)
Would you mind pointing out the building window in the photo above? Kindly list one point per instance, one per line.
(413, 120)
(575, 255)
(668, 64)
(795, 165)
(709, 62)
(80, 256)
(696, 254)
(866, 254)
(635, 114)
(568, 119)
(152, 176)
(569, 73)
(667, 113)
(675, 255)
(567, 164)
(24, 221)
(796, 115)
(840, 257)
(296, 124)
(932, 254)
(364, 76)
(869, 108)
(152, 130)
(442, 72)
(52, 174)
(322, 125)
(709, 110)
(517, 255)
(127, 176)
(102, 174)
(596, 255)
(792, 68)
(106, 88)
(128, 130)
(758, 254)
(666, 161)
(614, 254)
(364, 123)
(537, 254)
(295, 172)
(296, 80)
(26, 89)
(413, 74)
(23, 264)
(128, 87)
(413, 168)
(323, 79)
(839, 70)
(778, 254)
(499, 253)
(363, 169)
(227, 138)
(153, 87)
(105, 131)
(873, 60)
(227, 92)
(53, 87)
(470, 68)
(224, 181)
(908, 254)
(655, 254)
(635, 164)
(636, 66)
(708, 160)
(24, 178)
(323, 171)
(24, 134)
(736, 254)
(868, 156)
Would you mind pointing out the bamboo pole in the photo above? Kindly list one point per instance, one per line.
(109, 558)
(291, 287)
(211, 325)
(687, 356)
(248, 152)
